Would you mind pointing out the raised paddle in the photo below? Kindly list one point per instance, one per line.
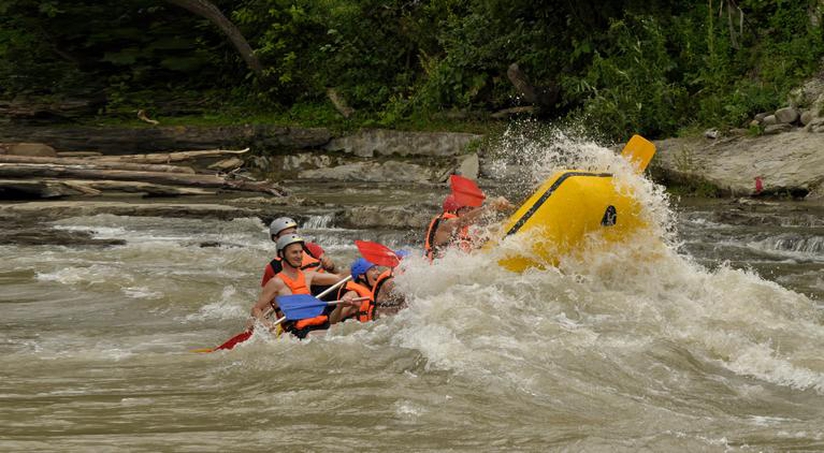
(638, 151)
(466, 192)
(378, 253)
(246, 334)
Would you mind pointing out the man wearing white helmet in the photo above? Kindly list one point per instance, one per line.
(314, 257)
(293, 280)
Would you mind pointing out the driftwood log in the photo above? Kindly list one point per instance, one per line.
(57, 188)
(27, 170)
(167, 158)
(96, 163)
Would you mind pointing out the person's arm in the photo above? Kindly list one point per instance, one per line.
(261, 308)
(268, 273)
(327, 263)
(322, 278)
(345, 309)
(448, 227)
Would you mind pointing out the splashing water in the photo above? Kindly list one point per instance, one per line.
(630, 346)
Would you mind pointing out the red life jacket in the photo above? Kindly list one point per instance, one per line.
(461, 240)
(366, 311)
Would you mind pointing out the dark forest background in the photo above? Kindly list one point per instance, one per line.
(624, 66)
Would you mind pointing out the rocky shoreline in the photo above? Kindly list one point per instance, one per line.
(789, 165)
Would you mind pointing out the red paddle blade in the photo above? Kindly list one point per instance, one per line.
(466, 191)
(234, 341)
(377, 253)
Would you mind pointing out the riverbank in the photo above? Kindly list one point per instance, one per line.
(787, 163)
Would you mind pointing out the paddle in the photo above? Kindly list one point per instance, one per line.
(378, 253)
(638, 151)
(466, 192)
(302, 306)
(246, 334)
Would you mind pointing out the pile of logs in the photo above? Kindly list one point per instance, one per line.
(161, 174)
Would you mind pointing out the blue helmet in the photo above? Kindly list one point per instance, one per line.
(401, 254)
(360, 267)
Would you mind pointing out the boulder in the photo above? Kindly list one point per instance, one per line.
(760, 117)
(28, 149)
(777, 128)
(769, 120)
(382, 142)
(807, 117)
(469, 166)
(786, 115)
(372, 171)
(791, 160)
(415, 216)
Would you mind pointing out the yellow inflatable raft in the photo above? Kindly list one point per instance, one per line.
(567, 208)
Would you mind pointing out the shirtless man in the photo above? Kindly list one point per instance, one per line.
(291, 280)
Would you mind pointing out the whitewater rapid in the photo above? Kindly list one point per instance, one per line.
(637, 346)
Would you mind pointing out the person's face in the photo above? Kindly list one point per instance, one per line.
(293, 254)
(285, 232)
(462, 210)
(372, 275)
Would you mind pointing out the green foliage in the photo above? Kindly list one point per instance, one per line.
(628, 87)
(623, 66)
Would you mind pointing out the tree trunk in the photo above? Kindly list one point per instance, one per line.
(167, 158)
(175, 179)
(98, 164)
(206, 9)
(521, 83)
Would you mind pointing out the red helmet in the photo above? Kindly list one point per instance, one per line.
(451, 204)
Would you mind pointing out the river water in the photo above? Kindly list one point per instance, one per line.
(708, 340)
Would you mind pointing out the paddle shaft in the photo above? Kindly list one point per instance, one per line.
(324, 293)
(334, 302)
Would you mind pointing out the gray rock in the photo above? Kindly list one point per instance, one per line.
(28, 149)
(381, 142)
(769, 120)
(807, 117)
(778, 128)
(469, 166)
(711, 133)
(760, 117)
(786, 115)
(372, 171)
(397, 217)
(791, 160)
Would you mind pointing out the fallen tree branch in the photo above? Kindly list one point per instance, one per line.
(175, 179)
(166, 158)
(95, 163)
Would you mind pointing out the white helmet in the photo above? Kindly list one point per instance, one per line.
(280, 224)
(287, 240)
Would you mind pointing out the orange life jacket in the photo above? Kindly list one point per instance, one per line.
(462, 239)
(308, 262)
(301, 327)
(384, 277)
(366, 311)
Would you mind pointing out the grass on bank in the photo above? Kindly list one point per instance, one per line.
(299, 115)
